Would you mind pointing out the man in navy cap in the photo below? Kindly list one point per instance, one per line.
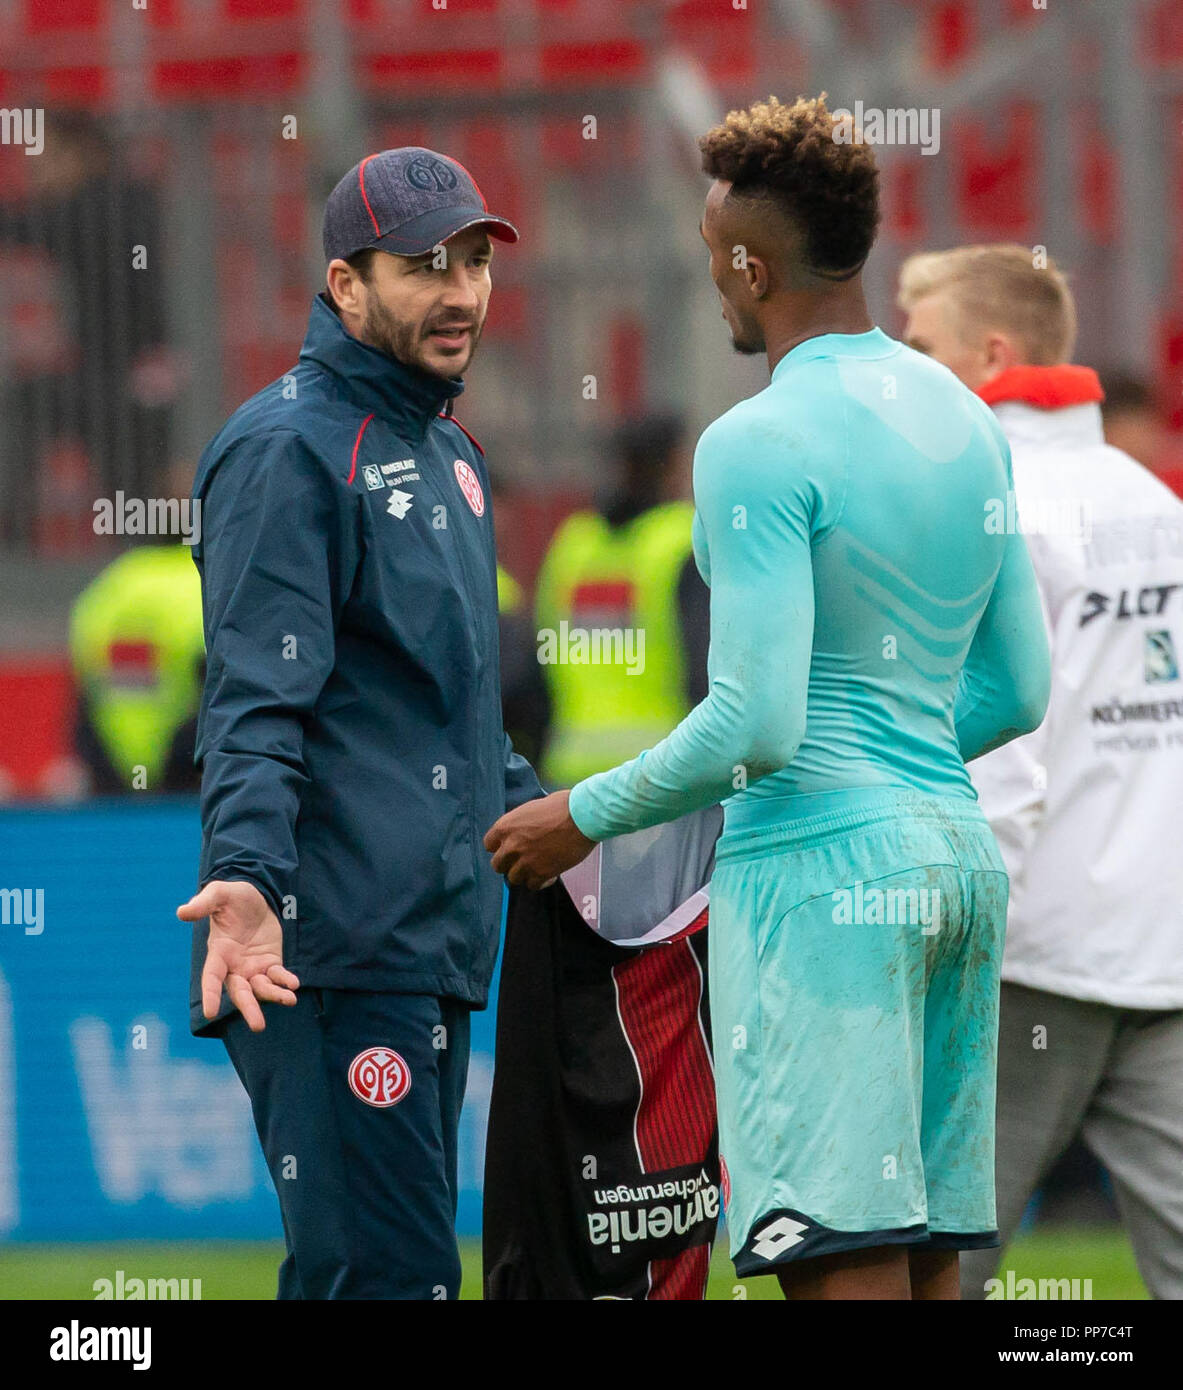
(351, 740)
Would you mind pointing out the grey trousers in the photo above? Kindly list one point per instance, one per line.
(1115, 1078)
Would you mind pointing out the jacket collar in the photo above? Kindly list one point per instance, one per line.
(1047, 388)
(405, 397)
(1074, 427)
(1049, 407)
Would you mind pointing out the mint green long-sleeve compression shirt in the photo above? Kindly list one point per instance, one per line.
(870, 625)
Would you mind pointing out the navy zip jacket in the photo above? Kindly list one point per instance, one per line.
(350, 726)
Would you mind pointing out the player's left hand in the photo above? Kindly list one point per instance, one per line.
(537, 841)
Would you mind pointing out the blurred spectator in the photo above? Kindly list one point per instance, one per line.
(525, 709)
(625, 567)
(524, 705)
(1084, 808)
(86, 381)
(137, 648)
(1132, 421)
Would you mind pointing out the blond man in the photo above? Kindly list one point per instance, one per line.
(1087, 808)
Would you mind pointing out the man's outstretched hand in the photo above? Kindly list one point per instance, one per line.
(537, 841)
(245, 950)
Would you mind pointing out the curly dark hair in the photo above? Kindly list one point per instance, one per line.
(789, 155)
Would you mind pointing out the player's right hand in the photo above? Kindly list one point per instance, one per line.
(245, 952)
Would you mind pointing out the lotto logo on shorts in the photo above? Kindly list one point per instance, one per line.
(777, 1237)
(470, 486)
(379, 1076)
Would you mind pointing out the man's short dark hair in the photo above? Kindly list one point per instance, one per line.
(79, 129)
(789, 155)
(1124, 391)
(647, 443)
(363, 263)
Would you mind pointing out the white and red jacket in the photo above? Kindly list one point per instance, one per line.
(1088, 809)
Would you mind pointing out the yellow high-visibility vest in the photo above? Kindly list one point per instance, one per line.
(136, 643)
(510, 594)
(608, 638)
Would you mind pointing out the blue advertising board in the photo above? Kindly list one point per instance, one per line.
(115, 1122)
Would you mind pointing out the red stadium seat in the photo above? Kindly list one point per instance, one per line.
(723, 38)
(950, 35)
(509, 312)
(45, 17)
(485, 148)
(1163, 41)
(200, 79)
(597, 60)
(1172, 356)
(903, 202)
(435, 71)
(625, 364)
(224, 17)
(1097, 205)
(998, 172)
(456, 8)
(234, 10)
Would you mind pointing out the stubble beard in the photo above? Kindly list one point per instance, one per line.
(404, 341)
(748, 340)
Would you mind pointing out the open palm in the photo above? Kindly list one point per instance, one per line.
(245, 951)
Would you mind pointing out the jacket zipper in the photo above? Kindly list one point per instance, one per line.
(474, 740)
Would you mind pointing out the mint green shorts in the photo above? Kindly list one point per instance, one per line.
(854, 966)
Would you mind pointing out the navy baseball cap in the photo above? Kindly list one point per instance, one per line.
(405, 201)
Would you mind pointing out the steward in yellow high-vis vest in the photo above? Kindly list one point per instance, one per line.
(510, 595)
(621, 616)
(137, 650)
(523, 693)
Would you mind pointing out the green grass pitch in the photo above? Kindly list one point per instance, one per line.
(230, 1270)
